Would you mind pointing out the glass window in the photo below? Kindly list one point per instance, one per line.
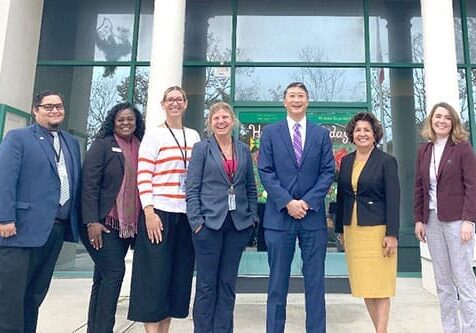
(208, 31)
(395, 31)
(87, 30)
(304, 31)
(204, 86)
(463, 99)
(145, 30)
(458, 32)
(471, 18)
(324, 84)
(398, 100)
(141, 87)
(89, 93)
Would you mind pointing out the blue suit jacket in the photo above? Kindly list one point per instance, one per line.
(207, 187)
(284, 180)
(30, 186)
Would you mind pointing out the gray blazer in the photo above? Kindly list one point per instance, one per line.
(207, 187)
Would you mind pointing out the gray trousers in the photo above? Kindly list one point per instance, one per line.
(453, 274)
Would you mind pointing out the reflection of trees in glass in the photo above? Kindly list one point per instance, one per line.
(114, 42)
(140, 88)
(103, 96)
(324, 84)
(218, 80)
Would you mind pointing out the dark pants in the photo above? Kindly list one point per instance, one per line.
(109, 270)
(281, 247)
(218, 254)
(162, 273)
(25, 277)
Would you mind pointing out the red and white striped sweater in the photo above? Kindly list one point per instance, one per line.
(160, 166)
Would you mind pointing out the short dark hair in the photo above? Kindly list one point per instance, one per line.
(38, 98)
(297, 85)
(107, 126)
(370, 118)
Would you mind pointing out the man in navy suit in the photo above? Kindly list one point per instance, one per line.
(39, 183)
(296, 167)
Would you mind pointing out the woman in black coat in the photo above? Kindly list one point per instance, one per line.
(110, 208)
(367, 217)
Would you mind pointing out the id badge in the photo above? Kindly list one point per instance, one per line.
(231, 199)
(182, 178)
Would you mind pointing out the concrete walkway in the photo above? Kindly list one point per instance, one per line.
(413, 310)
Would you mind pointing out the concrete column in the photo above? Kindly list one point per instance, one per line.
(19, 39)
(166, 57)
(441, 83)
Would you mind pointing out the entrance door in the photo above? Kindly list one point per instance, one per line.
(252, 120)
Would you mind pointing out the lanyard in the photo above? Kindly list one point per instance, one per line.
(434, 163)
(182, 152)
(232, 171)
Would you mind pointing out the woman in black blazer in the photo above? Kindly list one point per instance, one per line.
(110, 208)
(368, 201)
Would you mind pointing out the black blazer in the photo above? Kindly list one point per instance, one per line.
(377, 196)
(102, 174)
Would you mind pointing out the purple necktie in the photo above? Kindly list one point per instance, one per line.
(297, 142)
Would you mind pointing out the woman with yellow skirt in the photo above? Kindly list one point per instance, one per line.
(367, 219)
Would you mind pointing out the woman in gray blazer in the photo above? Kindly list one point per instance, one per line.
(221, 209)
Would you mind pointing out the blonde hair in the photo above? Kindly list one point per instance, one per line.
(169, 89)
(457, 133)
(214, 108)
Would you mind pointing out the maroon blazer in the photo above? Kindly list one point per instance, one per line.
(456, 183)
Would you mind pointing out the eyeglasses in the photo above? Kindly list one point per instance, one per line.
(50, 107)
(171, 100)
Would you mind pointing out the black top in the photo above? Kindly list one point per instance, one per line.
(102, 174)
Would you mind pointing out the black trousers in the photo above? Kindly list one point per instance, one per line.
(162, 273)
(25, 277)
(218, 254)
(109, 270)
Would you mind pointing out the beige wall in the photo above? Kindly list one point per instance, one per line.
(19, 40)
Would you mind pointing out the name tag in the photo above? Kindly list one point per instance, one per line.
(231, 199)
(117, 149)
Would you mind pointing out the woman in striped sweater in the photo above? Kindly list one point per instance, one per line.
(164, 256)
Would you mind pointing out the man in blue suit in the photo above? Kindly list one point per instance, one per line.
(296, 167)
(39, 183)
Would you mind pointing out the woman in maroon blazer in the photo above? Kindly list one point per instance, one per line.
(445, 213)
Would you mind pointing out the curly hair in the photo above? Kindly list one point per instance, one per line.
(107, 126)
(371, 119)
(457, 133)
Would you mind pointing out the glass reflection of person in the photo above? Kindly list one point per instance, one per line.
(367, 217)
(445, 213)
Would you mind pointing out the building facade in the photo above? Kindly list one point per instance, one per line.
(395, 58)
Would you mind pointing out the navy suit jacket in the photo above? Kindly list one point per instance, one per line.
(284, 180)
(30, 186)
(207, 187)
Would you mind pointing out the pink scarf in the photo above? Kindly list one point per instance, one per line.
(125, 213)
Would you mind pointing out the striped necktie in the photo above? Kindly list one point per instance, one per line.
(297, 142)
(62, 170)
